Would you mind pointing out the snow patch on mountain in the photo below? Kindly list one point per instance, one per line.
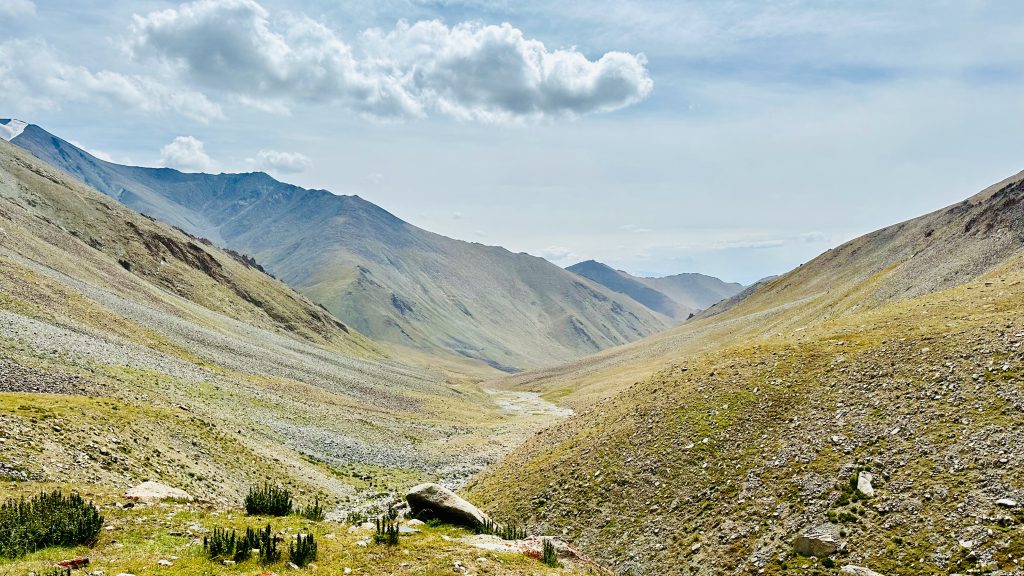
(11, 128)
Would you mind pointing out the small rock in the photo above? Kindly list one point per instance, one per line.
(229, 562)
(1006, 503)
(165, 563)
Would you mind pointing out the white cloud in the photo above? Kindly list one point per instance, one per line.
(282, 162)
(13, 8)
(559, 255)
(34, 77)
(186, 153)
(467, 71)
(457, 215)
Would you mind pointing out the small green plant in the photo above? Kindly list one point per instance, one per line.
(267, 544)
(58, 571)
(356, 518)
(49, 519)
(220, 544)
(314, 511)
(387, 528)
(302, 551)
(508, 531)
(549, 555)
(268, 500)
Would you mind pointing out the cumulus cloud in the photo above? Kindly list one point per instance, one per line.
(468, 71)
(34, 77)
(282, 162)
(186, 153)
(13, 8)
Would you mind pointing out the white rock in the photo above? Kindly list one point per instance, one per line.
(864, 484)
(1006, 503)
(165, 563)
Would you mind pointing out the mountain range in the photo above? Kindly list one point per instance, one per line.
(388, 279)
(677, 297)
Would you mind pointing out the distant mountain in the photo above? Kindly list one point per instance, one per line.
(386, 278)
(674, 296)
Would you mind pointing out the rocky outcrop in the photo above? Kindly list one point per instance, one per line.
(819, 541)
(150, 491)
(433, 501)
(852, 570)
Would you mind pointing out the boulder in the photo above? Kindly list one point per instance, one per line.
(857, 571)
(864, 484)
(819, 541)
(433, 501)
(1006, 503)
(150, 491)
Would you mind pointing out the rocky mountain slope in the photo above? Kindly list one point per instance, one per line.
(130, 350)
(719, 443)
(386, 278)
(675, 296)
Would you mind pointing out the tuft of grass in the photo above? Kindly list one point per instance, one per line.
(267, 543)
(509, 531)
(47, 519)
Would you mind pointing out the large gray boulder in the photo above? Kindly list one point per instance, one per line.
(433, 501)
(819, 541)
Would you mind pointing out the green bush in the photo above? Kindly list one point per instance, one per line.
(268, 500)
(549, 555)
(58, 571)
(387, 528)
(303, 550)
(314, 511)
(45, 520)
(220, 544)
(267, 543)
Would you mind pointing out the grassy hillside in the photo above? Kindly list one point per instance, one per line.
(935, 251)
(386, 278)
(130, 350)
(898, 354)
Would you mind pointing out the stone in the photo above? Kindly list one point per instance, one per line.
(857, 571)
(150, 491)
(1006, 503)
(433, 501)
(165, 563)
(864, 484)
(819, 541)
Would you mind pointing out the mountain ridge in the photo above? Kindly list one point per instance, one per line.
(388, 279)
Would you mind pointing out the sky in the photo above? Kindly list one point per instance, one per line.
(737, 138)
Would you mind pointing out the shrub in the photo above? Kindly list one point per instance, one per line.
(314, 511)
(47, 520)
(356, 518)
(58, 571)
(267, 543)
(220, 544)
(549, 555)
(245, 545)
(303, 550)
(387, 528)
(268, 500)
